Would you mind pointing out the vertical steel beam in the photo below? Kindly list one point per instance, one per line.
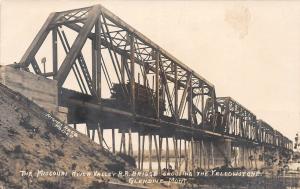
(176, 90)
(94, 64)
(123, 62)
(190, 102)
(132, 71)
(202, 104)
(227, 124)
(99, 58)
(157, 82)
(54, 50)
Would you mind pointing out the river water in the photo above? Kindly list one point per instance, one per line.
(289, 180)
(276, 182)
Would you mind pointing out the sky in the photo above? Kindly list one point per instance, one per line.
(249, 50)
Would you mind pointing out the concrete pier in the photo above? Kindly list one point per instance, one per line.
(39, 89)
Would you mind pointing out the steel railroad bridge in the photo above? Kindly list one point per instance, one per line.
(148, 92)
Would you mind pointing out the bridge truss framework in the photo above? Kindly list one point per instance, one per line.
(185, 106)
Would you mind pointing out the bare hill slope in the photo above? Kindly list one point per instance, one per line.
(31, 141)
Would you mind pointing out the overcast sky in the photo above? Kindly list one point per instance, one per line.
(248, 50)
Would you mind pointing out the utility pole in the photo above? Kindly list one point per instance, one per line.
(44, 63)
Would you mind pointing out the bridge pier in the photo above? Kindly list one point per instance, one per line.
(259, 158)
(242, 156)
(249, 157)
(221, 153)
(37, 88)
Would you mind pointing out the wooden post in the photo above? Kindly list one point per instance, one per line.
(130, 150)
(139, 151)
(113, 141)
(180, 155)
(192, 154)
(150, 152)
(255, 157)
(143, 149)
(93, 134)
(199, 153)
(185, 157)
(207, 154)
(100, 135)
(212, 154)
(87, 131)
(243, 155)
(175, 153)
(160, 149)
(204, 154)
(157, 155)
(123, 143)
(167, 153)
(196, 154)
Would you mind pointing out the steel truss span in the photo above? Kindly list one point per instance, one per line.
(150, 91)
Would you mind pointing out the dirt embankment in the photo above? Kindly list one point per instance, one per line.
(30, 142)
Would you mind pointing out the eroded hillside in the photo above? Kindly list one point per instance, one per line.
(31, 142)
